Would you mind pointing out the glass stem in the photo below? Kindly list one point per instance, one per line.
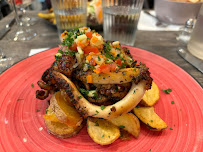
(16, 13)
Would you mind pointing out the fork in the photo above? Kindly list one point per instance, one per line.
(158, 23)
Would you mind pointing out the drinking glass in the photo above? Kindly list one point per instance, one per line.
(195, 45)
(120, 18)
(69, 14)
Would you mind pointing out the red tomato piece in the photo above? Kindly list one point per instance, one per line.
(89, 49)
(112, 66)
(73, 47)
(105, 68)
(92, 62)
(89, 34)
(118, 62)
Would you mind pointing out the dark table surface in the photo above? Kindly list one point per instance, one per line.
(162, 43)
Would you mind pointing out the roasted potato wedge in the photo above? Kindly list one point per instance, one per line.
(128, 122)
(46, 15)
(58, 129)
(65, 112)
(148, 116)
(151, 96)
(102, 131)
(50, 115)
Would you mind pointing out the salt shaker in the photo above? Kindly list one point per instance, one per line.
(185, 32)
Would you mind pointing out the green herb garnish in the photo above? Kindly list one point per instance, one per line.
(71, 52)
(167, 91)
(96, 124)
(102, 107)
(122, 126)
(19, 99)
(32, 85)
(83, 91)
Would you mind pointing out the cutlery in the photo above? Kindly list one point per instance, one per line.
(7, 28)
(158, 23)
(197, 63)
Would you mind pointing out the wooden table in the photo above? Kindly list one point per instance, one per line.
(158, 42)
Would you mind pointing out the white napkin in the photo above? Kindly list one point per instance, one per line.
(148, 23)
(35, 51)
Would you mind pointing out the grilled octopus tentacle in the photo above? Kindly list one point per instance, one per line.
(87, 109)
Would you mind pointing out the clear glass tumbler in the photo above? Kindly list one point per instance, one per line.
(120, 18)
(69, 14)
(195, 45)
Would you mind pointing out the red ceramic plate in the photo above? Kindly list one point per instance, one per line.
(22, 126)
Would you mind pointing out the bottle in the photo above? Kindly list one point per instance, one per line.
(185, 32)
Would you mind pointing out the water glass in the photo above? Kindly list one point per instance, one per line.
(120, 18)
(195, 45)
(69, 14)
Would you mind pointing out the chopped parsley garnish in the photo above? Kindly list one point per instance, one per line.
(99, 59)
(83, 91)
(79, 97)
(60, 51)
(68, 41)
(122, 59)
(171, 128)
(172, 102)
(19, 99)
(107, 49)
(37, 110)
(151, 120)
(96, 124)
(102, 107)
(167, 91)
(97, 111)
(95, 95)
(118, 48)
(122, 126)
(123, 65)
(102, 135)
(32, 85)
(46, 111)
(71, 52)
(109, 55)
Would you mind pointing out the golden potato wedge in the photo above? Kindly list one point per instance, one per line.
(151, 96)
(65, 112)
(50, 115)
(148, 116)
(102, 131)
(124, 135)
(46, 15)
(58, 129)
(128, 122)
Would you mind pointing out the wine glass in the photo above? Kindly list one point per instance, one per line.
(22, 33)
(5, 62)
(26, 20)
